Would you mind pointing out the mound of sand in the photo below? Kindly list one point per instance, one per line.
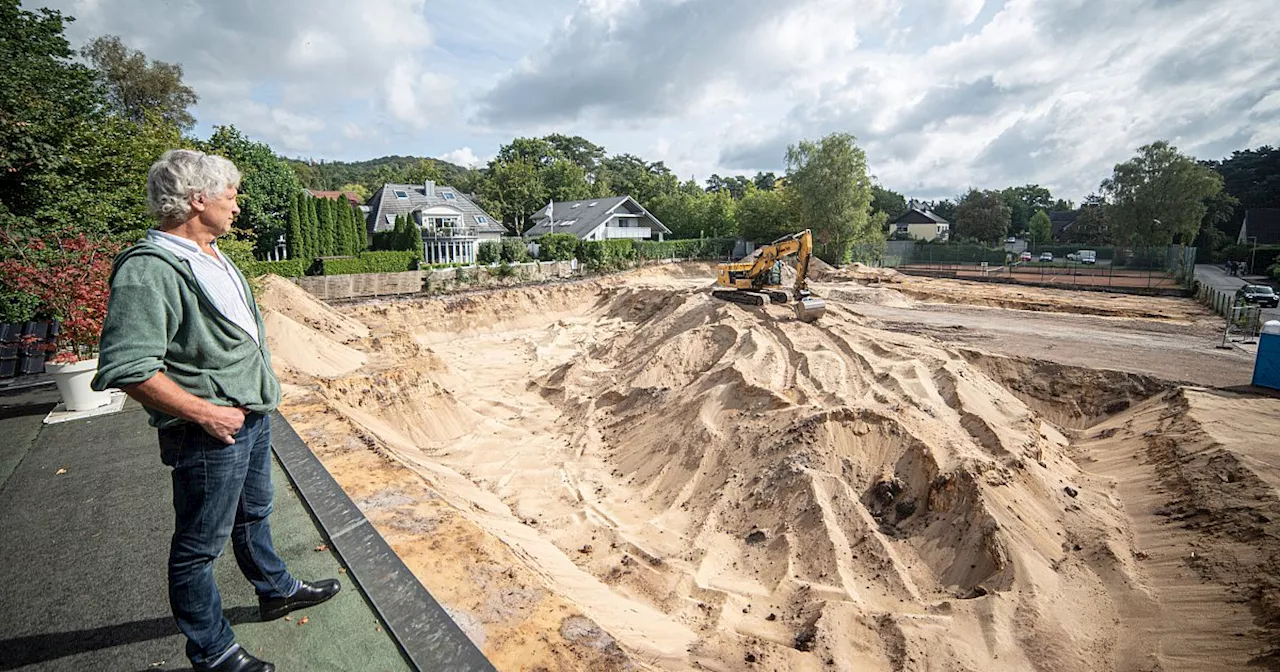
(304, 349)
(293, 302)
(726, 487)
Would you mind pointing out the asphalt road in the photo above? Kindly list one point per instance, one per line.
(1214, 276)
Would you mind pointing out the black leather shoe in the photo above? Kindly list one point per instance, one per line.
(308, 594)
(240, 661)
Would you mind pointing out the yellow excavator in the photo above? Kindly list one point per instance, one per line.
(757, 280)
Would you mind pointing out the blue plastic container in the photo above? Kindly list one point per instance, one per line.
(1266, 369)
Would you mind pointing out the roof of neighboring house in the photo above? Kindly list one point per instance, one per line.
(1061, 220)
(386, 204)
(919, 216)
(335, 195)
(582, 217)
(1263, 223)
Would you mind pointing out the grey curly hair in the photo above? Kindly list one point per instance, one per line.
(182, 174)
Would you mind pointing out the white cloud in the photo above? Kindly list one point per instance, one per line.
(942, 94)
(462, 157)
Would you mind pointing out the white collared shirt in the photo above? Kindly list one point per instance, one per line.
(217, 277)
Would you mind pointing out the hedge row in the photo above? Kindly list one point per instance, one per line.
(695, 248)
(368, 262)
(291, 268)
(507, 250)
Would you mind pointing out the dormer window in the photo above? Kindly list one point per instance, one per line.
(481, 219)
(448, 195)
(401, 194)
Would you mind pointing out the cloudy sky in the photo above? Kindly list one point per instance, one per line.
(942, 94)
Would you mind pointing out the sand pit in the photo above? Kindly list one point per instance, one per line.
(628, 474)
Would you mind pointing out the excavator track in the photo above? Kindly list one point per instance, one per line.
(776, 296)
(742, 296)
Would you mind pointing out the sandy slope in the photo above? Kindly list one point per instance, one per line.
(644, 477)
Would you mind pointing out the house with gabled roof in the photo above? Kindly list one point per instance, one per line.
(920, 223)
(1260, 223)
(452, 225)
(598, 219)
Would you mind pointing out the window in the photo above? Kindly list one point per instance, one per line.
(448, 195)
(592, 204)
(575, 205)
(481, 219)
(401, 194)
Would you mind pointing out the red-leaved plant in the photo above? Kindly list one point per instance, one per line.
(69, 275)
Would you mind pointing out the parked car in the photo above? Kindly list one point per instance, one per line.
(1087, 256)
(1046, 256)
(1011, 240)
(1025, 256)
(1260, 294)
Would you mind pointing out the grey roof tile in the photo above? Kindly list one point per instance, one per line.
(582, 217)
(386, 203)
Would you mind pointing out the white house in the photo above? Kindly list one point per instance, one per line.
(598, 219)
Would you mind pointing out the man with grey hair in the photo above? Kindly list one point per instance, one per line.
(184, 337)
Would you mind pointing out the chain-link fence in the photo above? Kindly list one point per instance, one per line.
(1156, 268)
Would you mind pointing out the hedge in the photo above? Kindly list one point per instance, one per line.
(369, 262)
(290, 268)
(558, 247)
(606, 255)
(693, 248)
(488, 253)
(1264, 257)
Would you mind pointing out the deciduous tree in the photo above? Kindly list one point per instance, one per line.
(982, 216)
(832, 191)
(136, 88)
(1158, 197)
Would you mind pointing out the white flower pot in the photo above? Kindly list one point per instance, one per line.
(73, 384)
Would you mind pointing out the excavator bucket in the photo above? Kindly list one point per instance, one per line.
(809, 309)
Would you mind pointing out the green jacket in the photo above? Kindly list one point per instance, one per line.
(159, 319)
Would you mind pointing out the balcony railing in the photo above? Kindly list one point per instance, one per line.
(637, 232)
(449, 232)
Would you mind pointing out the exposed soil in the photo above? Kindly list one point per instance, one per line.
(625, 473)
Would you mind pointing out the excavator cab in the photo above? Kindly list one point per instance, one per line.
(757, 280)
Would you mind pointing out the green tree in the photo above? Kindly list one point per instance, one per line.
(1024, 201)
(1251, 176)
(765, 181)
(586, 154)
(982, 216)
(716, 215)
(765, 216)
(136, 88)
(297, 246)
(679, 211)
(422, 171)
(515, 190)
(63, 156)
(362, 192)
(1158, 197)
(629, 175)
(566, 181)
(328, 228)
(832, 191)
(267, 187)
(888, 201)
(1041, 228)
(313, 223)
(1090, 227)
(412, 236)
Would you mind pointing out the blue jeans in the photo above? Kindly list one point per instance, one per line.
(219, 491)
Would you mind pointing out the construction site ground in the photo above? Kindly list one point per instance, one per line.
(623, 473)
